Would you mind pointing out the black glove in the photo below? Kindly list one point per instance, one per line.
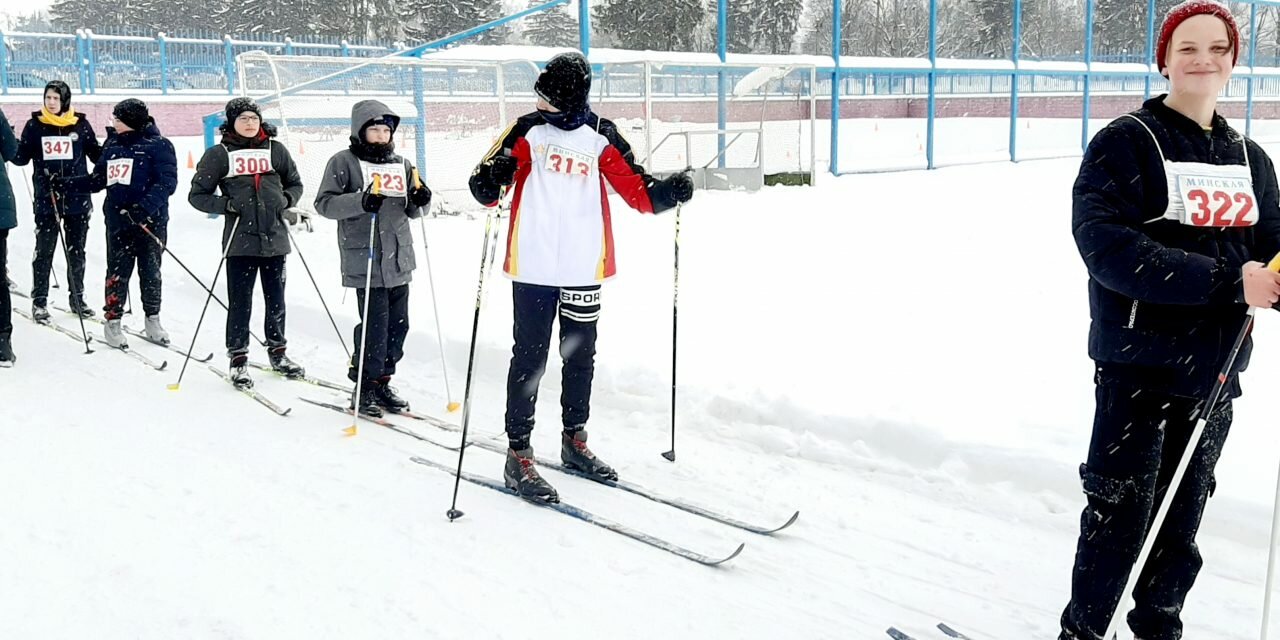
(371, 201)
(420, 196)
(502, 169)
(139, 216)
(680, 186)
(230, 208)
(55, 183)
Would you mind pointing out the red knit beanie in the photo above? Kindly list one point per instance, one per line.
(1181, 12)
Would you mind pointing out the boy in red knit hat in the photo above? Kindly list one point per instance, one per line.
(1174, 213)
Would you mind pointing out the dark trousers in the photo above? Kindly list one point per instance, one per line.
(242, 272)
(6, 305)
(388, 318)
(125, 248)
(1138, 439)
(536, 308)
(76, 229)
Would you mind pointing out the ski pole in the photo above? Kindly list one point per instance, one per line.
(435, 310)
(195, 334)
(675, 307)
(200, 282)
(453, 513)
(376, 189)
(324, 304)
(1166, 502)
(66, 254)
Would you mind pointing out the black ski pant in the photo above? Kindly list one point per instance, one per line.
(127, 247)
(388, 319)
(76, 229)
(536, 307)
(1138, 438)
(6, 304)
(242, 274)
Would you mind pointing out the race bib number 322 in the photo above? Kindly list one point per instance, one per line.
(1217, 201)
(56, 147)
(119, 171)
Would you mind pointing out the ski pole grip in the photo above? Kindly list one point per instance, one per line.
(417, 182)
(1274, 265)
(377, 186)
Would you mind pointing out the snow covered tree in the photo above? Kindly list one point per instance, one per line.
(426, 20)
(552, 28)
(672, 25)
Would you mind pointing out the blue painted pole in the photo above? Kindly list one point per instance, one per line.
(584, 27)
(722, 49)
(1016, 52)
(164, 64)
(1088, 73)
(1253, 49)
(4, 65)
(229, 59)
(835, 87)
(933, 81)
(1151, 44)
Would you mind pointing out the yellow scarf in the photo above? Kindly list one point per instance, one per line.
(68, 119)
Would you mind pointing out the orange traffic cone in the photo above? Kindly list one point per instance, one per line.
(191, 160)
(301, 149)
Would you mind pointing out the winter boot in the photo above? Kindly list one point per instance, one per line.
(385, 396)
(239, 372)
(40, 313)
(575, 455)
(155, 332)
(114, 334)
(522, 477)
(7, 359)
(368, 401)
(282, 365)
(81, 309)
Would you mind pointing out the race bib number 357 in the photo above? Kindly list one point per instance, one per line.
(1217, 201)
(568, 162)
(120, 171)
(56, 147)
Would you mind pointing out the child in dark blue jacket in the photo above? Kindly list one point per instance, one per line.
(139, 170)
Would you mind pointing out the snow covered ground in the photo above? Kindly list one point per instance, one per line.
(901, 357)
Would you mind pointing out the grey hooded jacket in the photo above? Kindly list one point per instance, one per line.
(339, 197)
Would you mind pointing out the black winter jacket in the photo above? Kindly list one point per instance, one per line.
(37, 139)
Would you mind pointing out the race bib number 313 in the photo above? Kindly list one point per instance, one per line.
(568, 162)
(56, 147)
(1217, 202)
(119, 171)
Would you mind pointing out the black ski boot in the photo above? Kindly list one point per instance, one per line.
(575, 455)
(368, 401)
(78, 307)
(239, 373)
(385, 396)
(39, 313)
(7, 359)
(522, 477)
(282, 365)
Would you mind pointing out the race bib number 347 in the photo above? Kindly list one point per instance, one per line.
(56, 147)
(1217, 201)
(120, 171)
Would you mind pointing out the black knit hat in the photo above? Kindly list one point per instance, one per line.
(237, 106)
(132, 112)
(64, 93)
(565, 82)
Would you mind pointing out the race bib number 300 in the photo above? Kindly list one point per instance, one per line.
(1217, 202)
(568, 162)
(391, 178)
(56, 147)
(120, 171)
(248, 162)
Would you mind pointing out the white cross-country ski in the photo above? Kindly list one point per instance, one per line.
(252, 393)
